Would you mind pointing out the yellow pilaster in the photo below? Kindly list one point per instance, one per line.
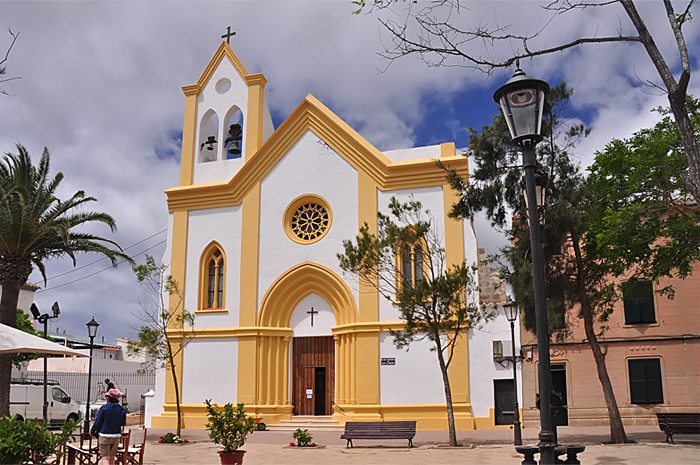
(454, 255)
(254, 125)
(285, 370)
(189, 131)
(364, 358)
(248, 357)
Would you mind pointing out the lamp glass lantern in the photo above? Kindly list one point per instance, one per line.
(92, 326)
(522, 101)
(511, 310)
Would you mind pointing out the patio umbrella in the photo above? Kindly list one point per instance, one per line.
(14, 341)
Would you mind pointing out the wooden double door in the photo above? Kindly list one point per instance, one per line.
(313, 375)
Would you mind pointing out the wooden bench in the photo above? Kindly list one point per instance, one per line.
(678, 423)
(379, 430)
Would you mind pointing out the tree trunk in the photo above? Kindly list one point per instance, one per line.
(171, 363)
(617, 429)
(8, 316)
(448, 396)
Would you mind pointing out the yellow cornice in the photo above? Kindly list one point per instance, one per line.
(255, 79)
(312, 115)
(224, 50)
(274, 331)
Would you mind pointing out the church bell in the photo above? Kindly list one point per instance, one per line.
(234, 149)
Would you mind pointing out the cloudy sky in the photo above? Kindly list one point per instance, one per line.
(100, 87)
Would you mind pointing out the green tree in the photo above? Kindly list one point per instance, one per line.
(36, 226)
(495, 187)
(648, 226)
(436, 33)
(25, 324)
(166, 326)
(436, 302)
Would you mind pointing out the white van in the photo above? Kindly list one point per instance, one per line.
(27, 400)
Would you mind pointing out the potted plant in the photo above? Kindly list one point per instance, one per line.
(229, 428)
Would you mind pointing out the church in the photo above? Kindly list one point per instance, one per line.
(255, 227)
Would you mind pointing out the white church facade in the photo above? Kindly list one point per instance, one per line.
(255, 228)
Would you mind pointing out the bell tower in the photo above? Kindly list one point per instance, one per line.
(227, 119)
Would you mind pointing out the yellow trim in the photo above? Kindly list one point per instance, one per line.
(211, 310)
(178, 266)
(292, 209)
(299, 281)
(205, 258)
(254, 120)
(314, 116)
(224, 50)
(189, 131)
(247, 315)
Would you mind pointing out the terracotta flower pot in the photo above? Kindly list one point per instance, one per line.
(231, 458)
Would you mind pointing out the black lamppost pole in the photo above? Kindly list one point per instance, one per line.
(522, 102)
(511, 311)
(43, 319)
(92, 326)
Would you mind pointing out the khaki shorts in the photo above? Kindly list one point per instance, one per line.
(108, 446)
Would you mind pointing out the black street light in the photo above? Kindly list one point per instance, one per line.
(92, 326)
(43, 319)
(511, 311)
(522, 101)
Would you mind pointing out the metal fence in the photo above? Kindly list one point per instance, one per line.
(131, 385)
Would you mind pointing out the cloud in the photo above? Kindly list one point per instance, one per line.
(100, 87)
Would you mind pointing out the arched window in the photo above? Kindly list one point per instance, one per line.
(411, 264)
(208, 135)
(213, 269)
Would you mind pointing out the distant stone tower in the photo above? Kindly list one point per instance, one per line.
(213, 148)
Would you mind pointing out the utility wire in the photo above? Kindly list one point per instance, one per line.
(105, 258)
(100, 271)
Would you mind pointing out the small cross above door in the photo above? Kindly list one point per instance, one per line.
(312, 312)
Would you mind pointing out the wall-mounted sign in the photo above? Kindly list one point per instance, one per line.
(309, 391)
(388, 361)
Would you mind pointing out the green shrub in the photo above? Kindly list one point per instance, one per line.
(30, 440)
(228, 427)
(303, 437)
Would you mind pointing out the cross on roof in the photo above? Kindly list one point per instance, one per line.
(228, 35)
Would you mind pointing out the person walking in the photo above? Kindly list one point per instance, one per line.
(108, 426)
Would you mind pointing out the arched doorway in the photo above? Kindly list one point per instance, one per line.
(314, 364)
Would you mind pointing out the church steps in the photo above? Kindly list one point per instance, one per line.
(312, 423)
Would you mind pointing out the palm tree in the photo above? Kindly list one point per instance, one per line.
(36, 226)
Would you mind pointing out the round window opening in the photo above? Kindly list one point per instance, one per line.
(307, 219)
(223, 86)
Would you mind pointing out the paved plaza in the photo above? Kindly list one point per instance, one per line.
(478, 447)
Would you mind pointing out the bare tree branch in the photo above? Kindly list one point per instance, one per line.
(3, 69)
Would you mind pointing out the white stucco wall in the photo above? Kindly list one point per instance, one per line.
(222, 225)
(415, 153)
(220, 103)
(431, 199)
(154, 405)
(300, 321)
(483, 369)
(416, 377)
(209, 371)
(310, 167)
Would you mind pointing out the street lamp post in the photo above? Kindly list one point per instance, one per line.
(43, 319)
(522, 101)
(92, 326)
(511, 311)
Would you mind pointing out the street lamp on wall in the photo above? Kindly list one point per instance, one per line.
(92, 326)
(511, 311)
(43, 319)
(522, 101)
